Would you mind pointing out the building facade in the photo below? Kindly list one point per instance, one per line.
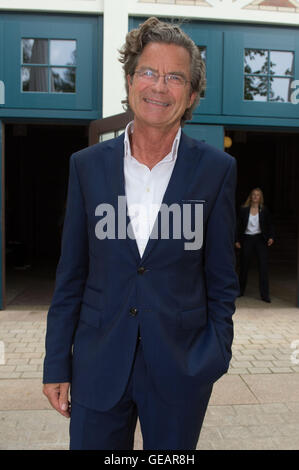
(59, 72)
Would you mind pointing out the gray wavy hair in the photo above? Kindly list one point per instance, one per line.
(154, 30)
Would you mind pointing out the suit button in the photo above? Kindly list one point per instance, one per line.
(141, 270)
(133, 311)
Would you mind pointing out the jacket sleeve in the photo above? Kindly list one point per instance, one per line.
(221, 278)
(238, 230)
(71, 276)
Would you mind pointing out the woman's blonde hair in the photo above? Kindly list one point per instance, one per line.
(154, 30)
(248, 200)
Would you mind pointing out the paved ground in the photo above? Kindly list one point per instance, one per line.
(254, 406)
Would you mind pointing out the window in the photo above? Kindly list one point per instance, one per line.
(268, 75)
(48, 65)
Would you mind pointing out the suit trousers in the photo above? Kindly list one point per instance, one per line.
(163, 426)
(254, 244)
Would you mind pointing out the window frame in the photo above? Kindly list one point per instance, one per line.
(267, 75)
(235, 43)
(82, 29)
(47, 65)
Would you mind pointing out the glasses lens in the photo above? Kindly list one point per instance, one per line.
(147, 75)
(175, 80)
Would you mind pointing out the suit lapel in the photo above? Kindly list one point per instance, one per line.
(116, 183)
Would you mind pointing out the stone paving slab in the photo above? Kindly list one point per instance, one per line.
(32, 429)
(260, 426)
(22, 394)
(231, 389)
(274, 388)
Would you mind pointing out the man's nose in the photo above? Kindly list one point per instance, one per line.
(160, 84)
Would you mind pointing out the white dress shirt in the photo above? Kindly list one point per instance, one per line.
(145, 188)
(253, 226)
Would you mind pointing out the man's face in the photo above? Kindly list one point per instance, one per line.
(158, 104)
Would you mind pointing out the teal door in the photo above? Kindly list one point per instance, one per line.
(212, 135)
(209, 42)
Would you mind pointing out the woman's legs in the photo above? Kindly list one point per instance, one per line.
(247, 245)
(262, 254)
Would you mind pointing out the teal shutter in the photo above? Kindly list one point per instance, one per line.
(86, 31)
(212, 135)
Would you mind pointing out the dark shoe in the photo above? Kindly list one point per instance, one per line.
(266, 299)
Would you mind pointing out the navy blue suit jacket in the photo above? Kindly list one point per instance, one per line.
(185, 298)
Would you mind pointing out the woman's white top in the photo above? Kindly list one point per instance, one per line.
(253, 226)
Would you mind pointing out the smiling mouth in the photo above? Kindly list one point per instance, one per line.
(158, 103)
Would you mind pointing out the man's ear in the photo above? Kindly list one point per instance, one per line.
(129, 80)
(192, 98)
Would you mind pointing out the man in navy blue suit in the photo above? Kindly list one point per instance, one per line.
(140, 324)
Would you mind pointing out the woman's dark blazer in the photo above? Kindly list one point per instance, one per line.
(265, 220)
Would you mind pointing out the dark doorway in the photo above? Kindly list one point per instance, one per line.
(36, 176)
(270, 161)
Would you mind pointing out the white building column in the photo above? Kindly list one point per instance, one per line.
(115, 29)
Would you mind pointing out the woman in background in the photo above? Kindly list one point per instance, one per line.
(254, 235)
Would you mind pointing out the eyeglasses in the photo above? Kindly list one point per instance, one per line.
(170, 79)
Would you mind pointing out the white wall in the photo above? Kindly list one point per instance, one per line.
(115, 30)
(225, 10)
